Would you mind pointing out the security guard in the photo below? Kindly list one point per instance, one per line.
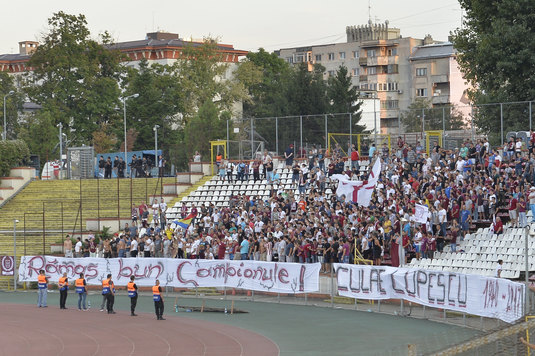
(132, 293)
(42, 285)
(108, 290)
(82, 292)
(158, 300)
(63, 286)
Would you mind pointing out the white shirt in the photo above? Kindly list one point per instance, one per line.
(133, 245)
(442, 217)
(78, 246)
(498, 271)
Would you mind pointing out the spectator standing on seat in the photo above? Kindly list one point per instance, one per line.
(268, 166)
(80, 288)
(78, 248)
(354, 159)
(67, 247)
(289, 156)
(498, 272)
(42, 289)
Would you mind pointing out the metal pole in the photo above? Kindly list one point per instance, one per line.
(15, 221)
(125, 145)
(156, 160)
(98, 204)
(350, 130)
(473, 128)
(277, 136)
(375, 120)
(326, 130)
(526, 270)
(60, 150)
(501, 122)
(332, 287)
(4, 135)
(252, 135)
(301, 134)
(530, 115)
(228, 138)
(44, 230)
(423, 122)
(444, 126)
(118, 204)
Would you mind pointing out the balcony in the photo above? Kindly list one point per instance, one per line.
(382, 60)
(363, 78)
(443, 78)
(440, 99)
(363, 61)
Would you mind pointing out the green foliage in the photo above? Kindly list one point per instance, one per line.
(13, 153)
(344, 98)
(13, 103)
(204, 127)
(104, 234)
(433, 117)
(43, 122)
(497, 56)
(307, 91)
(75, 76)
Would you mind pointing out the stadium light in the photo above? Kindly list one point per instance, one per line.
(156, 162)
(124, 112)
(5, 121)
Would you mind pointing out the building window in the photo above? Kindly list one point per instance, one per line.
(372, 86)
(372, 70)
(371, 53)
(318, 57)
(355, 72)
(290, 59)
(392, 69)
(364, 86)
(331, 73)
(392, 52)
(393, 86)
(389, 104)
(421, 92)
(355, 54)
(331, 56)
(421, 72)
(342, 55)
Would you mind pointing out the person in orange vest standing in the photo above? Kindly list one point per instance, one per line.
(63, 286)
(132, 293)
(42, 285)
(108, 290)
(81, 291)
(158, 300)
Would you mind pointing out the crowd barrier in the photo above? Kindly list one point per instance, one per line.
(471, 294)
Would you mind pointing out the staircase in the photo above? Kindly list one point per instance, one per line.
(188, 191)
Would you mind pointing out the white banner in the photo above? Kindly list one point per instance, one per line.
(252, 275)
(473, 294)
(421, 214)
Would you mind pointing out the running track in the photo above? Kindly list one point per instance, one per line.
(29, 330)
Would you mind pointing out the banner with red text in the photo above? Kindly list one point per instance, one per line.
(252, 275)
(468, 293)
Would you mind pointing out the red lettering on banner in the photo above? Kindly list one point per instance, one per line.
(283, 274)
(179, 274)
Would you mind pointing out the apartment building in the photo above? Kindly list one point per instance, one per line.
(383, 64)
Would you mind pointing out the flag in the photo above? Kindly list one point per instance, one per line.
(184, 223)
(357, 191)
(346, 187)
(421, 214)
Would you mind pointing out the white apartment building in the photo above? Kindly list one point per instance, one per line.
(385, 63)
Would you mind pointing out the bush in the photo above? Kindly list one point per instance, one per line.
(13, 153)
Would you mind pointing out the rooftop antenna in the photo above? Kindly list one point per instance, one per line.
(153, 21)
(369, 10)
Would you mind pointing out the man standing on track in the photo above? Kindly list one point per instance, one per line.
(42, 284)
(158, 300)
(132, 293)
(63, 285)
(108, 290)
(81, 291)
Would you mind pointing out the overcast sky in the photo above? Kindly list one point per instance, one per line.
(247, 24)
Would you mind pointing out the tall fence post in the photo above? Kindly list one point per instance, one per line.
(444, 127)
(228, 138)
(350, 131)
(277, 136)
(118, 203)
(98, 204)
(326, 129)
(300, 135)
(332, 286)
(473, 131)
(530, 115)
(44, 228)
(501, 122)
(252, 138)
(526, 257)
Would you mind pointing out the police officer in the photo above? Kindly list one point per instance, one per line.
(132, 293)
(158, 300)
(108, 290)
(63, 285)
(81, 291)
(42, 285)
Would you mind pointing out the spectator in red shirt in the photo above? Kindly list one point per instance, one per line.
(498, 226)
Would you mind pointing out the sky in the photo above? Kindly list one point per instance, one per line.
(246, 24)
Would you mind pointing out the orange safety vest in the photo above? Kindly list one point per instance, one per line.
(219, 158)
(105, 286)
(156, 293)
(62, 283)
(41, 281)
(131, 290)
(80, 286)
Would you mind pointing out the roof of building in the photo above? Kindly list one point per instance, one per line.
(149, 42)
(437, 50)
(14, 57)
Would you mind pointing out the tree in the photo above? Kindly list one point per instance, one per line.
(13, 104)
(41, 135)
(434, 118)
(75, 76)
(204, 127)
(497, 57)
(104, 140)
(343, 98)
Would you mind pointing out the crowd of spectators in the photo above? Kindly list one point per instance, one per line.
(472, 186)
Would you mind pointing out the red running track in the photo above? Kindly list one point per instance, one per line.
(29, 330)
